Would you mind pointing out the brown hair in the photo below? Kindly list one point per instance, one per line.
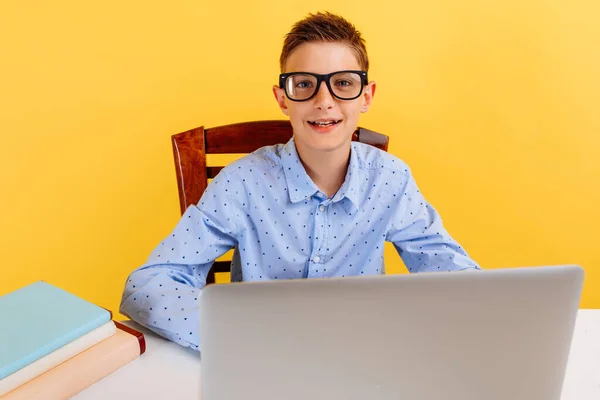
(324, 27)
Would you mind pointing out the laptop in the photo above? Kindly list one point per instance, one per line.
(481, 335)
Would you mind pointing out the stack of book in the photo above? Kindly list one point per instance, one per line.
(54, 344)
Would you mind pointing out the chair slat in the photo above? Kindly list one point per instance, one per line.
(246, 137)
(211, 172)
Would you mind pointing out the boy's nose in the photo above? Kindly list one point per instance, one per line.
(323, 99)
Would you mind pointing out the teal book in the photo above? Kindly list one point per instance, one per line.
(39, 319)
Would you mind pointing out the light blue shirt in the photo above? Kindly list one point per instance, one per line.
(283, 227)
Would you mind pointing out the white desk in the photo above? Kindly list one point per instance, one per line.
(169, 371)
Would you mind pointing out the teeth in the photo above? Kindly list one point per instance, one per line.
(323, 123)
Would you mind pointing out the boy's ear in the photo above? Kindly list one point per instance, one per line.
(367, 96)
(280, 98)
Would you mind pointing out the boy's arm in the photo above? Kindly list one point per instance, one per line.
(419, 236)
(163, 294)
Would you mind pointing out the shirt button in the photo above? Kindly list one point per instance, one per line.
(321, 208)
(316, 259)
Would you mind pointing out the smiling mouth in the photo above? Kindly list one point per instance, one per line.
(324, 123)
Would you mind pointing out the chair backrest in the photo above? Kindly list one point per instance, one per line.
(191, 147)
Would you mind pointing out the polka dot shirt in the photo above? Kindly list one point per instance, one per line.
(283, 227)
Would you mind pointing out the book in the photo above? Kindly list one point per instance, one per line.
(85, 369)
(39, 319)
(57, 357)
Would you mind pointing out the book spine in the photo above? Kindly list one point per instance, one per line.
(137, 334)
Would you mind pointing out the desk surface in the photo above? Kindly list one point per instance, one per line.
(169, 371)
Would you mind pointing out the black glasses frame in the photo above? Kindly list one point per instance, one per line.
(323, 78)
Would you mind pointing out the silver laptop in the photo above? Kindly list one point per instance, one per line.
(482, 335)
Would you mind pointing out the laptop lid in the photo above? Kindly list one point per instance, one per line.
(492, 334)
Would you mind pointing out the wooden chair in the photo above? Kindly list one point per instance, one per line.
(191, 147)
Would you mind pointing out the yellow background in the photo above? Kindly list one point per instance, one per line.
(494, 104)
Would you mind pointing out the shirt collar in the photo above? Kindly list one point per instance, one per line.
(299, 184)
(350, 187)
(301, 187)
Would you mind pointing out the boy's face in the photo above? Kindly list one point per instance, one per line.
(323, 58)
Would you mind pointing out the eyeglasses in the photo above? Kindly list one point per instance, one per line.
(303, 86)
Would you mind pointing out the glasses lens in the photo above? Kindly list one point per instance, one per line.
(346, 85)
(300, 86)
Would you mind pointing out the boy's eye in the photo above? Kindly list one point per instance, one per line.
(343, 83)
(303, 84)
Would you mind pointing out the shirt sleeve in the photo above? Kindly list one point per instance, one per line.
(163, 294)
(417, 232)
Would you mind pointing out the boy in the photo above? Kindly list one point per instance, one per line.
(318, 206)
